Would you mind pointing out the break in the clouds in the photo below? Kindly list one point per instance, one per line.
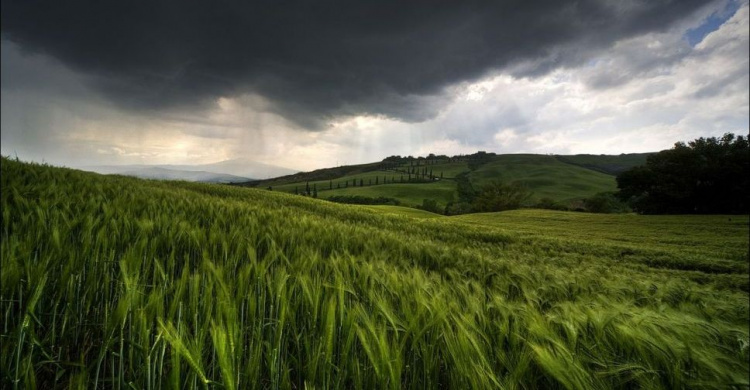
(311, 84)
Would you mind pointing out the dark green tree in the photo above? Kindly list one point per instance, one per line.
(549, 204)
(605, 202)
(430, 205)
(704, 176)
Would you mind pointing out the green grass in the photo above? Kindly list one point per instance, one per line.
(409, 194)
(610, 164)
(448, 169)
(323, 185)
(120, 283)
(704, 242)
(404, 211)
(545, 176)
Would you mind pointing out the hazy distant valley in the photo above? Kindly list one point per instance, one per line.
(228, 171)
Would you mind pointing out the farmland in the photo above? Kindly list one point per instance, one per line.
(118, 282)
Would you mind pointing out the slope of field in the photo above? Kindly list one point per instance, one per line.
(354, 180)
(409, 194)
(545, 176)
(710, 243)
(322, 175)
(609, 164)
(403, 211)
(448, 170)
(122, 283)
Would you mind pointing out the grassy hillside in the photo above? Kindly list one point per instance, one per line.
(609, 164)
(707, 242)
(545, 176)
(322, 175)
(564, 179)
(409, 194)
(366, 178)
(403, 211)
(117, 282)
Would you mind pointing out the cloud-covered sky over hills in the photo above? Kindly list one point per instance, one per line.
(315, 84)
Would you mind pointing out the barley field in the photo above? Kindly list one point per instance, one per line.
(115, 282)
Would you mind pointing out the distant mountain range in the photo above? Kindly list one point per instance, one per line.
(228, 171)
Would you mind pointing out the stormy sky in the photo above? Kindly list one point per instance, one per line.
(307, 84)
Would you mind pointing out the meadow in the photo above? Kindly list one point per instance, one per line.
(116, 282)
(545, 176)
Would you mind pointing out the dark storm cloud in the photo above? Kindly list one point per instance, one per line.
(317, 59)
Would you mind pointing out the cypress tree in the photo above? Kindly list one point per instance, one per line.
(361, 183)
(315, 191)
(376, 180)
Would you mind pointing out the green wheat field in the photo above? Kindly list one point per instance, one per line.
(120, 283)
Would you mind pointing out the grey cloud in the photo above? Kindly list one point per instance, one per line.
(736, 81)
(317, 60)
(643, 57)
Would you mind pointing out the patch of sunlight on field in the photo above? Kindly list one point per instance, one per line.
(405, 211)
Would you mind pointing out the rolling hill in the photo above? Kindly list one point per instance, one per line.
(563, 179)
(545, 176)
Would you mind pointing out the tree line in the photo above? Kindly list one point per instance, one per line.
(704, 176)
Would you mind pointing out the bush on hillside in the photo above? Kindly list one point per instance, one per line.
(550, 204)
(430, 205)
(458, 208)
(499, 196)
(605, 203)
